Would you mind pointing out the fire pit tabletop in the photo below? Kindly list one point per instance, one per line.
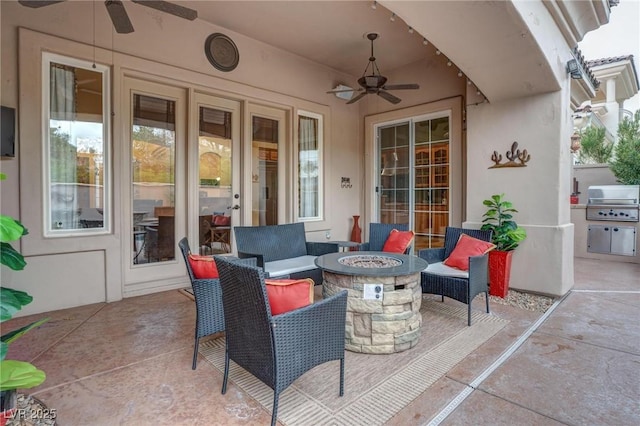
(344, 263)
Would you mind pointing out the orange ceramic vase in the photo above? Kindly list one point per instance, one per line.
(356, 231)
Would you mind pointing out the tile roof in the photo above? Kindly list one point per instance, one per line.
(586, 67)
(604, 61)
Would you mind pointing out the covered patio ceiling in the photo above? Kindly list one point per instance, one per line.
(488, 41)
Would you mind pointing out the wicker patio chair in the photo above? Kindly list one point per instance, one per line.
(462, 289)
(378, 234)
(277, 349)
(208, 299)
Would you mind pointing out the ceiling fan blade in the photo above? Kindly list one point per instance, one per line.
(401, 86)
(171, 8)
(389, 97)
(357, 98)
(119, 17)
(38, 3)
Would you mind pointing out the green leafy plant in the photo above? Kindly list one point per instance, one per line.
(626, 163)
(498, 218)
(594, 148)
(14, 374)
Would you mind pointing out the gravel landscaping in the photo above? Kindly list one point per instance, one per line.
(528, 301)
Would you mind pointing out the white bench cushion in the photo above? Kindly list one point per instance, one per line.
(277, 268)
(440, 268)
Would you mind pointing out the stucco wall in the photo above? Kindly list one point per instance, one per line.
(170, 50)
(591, 174)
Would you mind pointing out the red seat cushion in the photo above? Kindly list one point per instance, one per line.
(287, 295)
(398, 241)
(466, 247)
(203, 267)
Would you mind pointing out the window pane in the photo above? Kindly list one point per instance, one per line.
(153, 141)
(214, 172)
(264, 171)
(308, 168)
(76, 149)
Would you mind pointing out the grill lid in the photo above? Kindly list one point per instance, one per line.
(614, 195)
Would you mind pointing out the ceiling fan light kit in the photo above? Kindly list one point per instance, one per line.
(373, 83)
(343, 92)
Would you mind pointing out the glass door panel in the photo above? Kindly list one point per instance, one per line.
(431, 181)
(267, 133)
(215, 200)
(394, 173)
(153, 153)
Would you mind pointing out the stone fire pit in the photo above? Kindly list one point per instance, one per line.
(390, 323)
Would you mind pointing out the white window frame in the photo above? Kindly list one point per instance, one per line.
(49, 231)
(320, 192)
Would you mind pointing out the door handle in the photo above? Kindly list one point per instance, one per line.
(235, 207)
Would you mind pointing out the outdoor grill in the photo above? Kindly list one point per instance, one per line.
(618, 203)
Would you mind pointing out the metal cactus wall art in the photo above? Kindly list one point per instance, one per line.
(516, 158)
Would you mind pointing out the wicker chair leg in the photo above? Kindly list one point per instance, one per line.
(195, 353)
(442, 300)
(341, 376)
(469, 313)
(226, 372)
(487, 299)
(274, 416)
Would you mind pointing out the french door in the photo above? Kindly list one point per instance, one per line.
(214, 173)
(414, 176)
(266, 180)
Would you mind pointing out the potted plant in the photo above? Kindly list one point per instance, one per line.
(507, 235)
(14, 374)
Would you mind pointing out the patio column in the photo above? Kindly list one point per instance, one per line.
(540, 191)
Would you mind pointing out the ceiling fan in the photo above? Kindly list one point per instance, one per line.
(375, 82)
(118, 13)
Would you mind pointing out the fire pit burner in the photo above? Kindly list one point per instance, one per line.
(369, 261)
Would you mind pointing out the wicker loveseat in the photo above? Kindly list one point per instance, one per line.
(282, 250)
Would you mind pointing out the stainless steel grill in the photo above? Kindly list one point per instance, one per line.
(613, 203)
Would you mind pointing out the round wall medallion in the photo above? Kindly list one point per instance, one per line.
(222, 52)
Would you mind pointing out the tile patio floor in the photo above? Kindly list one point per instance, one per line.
(129, 362)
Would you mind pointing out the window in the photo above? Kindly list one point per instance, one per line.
(309, 166)
(76, 149)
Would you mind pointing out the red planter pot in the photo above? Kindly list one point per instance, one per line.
(8, 399)
(499, 272)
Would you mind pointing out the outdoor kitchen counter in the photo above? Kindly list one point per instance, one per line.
(383, 301)
(580, 237)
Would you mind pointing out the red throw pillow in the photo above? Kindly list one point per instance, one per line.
(220, 220)
(203, 267)
(287, 295)
(465, 247)
(398, 241)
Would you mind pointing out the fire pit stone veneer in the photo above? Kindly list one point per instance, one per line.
(377, 326)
